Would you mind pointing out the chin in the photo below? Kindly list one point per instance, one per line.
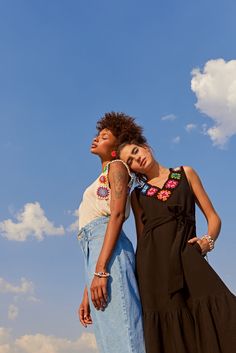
(93, 151)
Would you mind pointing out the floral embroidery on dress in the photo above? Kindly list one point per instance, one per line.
(163, 195)
(171, 184)
(175, 175)
(166, 191)
(152, 191)
(102, 192)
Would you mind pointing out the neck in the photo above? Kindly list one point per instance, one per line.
(105, 162)
(155, 171)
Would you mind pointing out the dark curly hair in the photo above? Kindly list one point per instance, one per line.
(123, 127)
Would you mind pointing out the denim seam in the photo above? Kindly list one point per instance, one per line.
(124, 307)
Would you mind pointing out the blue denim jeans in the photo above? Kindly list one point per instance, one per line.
(118, 329)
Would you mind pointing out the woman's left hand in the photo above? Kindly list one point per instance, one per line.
(203, 243)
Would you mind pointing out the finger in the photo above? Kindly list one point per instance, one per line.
(88, 320)
(81, 317)
(97, 300)
(193, 240)
(101, 297)
(105, 295)
(94, 297)
(87, 316)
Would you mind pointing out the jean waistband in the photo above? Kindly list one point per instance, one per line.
(93, 224)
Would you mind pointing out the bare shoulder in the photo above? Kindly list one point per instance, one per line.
(118, 166)
(188, 169)
(190, 172)
(193, 178)
(118, 174)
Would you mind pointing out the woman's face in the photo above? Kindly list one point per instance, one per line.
(138, 158)
(103, 144)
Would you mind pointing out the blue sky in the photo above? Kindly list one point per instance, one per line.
(172, 65)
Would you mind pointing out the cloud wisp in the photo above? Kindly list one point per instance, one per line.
(190, 127)
(169, 117)
(24, 290)
(25, 287)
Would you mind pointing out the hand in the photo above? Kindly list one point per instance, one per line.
(84, 310)
(98, 291)
(203, 243)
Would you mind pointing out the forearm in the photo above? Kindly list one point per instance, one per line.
(214, 225)
(112, 234)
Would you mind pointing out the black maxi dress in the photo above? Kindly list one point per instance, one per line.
(186, 306)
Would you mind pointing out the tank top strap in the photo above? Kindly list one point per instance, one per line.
(117, 160)
(132, 176)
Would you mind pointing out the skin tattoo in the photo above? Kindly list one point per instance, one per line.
(119, 182)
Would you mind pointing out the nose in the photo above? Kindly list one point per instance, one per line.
(138, 159)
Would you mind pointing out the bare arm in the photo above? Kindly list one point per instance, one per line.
(84, 310)
(118, 178)
(137, 210)
(204, 203)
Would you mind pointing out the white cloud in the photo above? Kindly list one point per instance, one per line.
(4, 340)
(74, 227)
(176, 139)
(25, 287)
(4, 335)
(169, 117)
(39, 343)
(190, 127)
(12, 312)
(31, 222)
(215, 89)
(5, 348)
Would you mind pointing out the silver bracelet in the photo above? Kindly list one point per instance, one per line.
(210, 240)
(102, 274)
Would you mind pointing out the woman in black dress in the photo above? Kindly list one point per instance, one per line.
(186, 306)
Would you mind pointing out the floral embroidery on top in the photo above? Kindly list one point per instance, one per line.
(102, 192)
(166, 191)
(103, 179)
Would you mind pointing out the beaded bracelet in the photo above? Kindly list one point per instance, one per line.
(210, 240)
(102, 274)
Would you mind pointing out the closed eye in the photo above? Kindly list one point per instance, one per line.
(129, 161)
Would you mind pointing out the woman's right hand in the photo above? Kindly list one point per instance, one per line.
(98, 291)
(84, 310)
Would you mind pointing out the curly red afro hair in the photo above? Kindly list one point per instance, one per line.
(123, 127)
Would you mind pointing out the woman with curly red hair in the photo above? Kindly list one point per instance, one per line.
(111, 298)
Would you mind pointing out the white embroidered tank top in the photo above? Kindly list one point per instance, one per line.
(97, 197)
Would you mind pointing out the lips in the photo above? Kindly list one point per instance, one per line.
(93, 145)
(143, 161)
